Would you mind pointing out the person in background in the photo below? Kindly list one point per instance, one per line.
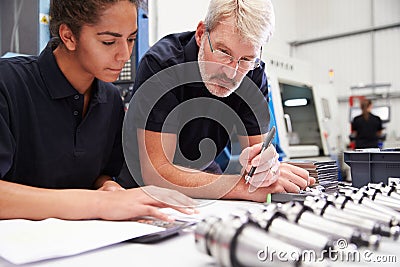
(61, 121)
(192, 91)
(366, 129)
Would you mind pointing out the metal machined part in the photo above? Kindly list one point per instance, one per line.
(304, 216)
(235, 242)
(363, 199)
(387, 190)
(328, 210)
(379, 198)
(347, 204)
(276, 224)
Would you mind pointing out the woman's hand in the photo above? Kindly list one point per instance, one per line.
(144, 201)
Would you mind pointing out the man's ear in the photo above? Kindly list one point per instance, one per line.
(67, 37)
(201, 29)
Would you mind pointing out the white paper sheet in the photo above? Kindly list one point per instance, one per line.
(23, 241)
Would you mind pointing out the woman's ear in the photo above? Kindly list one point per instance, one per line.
(201, 29)
(67, 37)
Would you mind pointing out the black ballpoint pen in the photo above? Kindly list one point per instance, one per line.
(267, 142)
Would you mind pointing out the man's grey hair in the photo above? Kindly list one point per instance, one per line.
(254, 19)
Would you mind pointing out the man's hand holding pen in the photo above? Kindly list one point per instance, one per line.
(266, 163)
(263, 169)
(258, 179)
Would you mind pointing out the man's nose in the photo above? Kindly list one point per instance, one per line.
(230, 69)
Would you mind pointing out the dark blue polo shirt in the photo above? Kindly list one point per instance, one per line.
(44, 141)
(203, 122)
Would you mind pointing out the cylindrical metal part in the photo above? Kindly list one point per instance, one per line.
(387, 201)
(299, 236)
(300, 214)
(235, 243)
(275, 223)
(204, 229)
(363, 199)
(328, 210)
(270, 251)
(346, 204)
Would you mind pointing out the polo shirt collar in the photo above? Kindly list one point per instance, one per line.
(191, 51)
(57, 85)
(100, 92)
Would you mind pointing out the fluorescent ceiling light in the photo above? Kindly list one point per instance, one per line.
(296, 102)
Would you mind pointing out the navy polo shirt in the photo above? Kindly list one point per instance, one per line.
(203, 122)
(44, 141)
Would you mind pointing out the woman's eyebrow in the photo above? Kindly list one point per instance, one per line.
(115, 34)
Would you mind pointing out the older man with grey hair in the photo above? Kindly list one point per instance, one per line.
(194, 92)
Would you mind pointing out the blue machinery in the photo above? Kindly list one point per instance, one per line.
(24, 27)
(44, 19)
(32, 19)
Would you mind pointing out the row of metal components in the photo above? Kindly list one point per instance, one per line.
(284, 233)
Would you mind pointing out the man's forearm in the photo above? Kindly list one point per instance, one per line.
(200, 184)
(193, 183)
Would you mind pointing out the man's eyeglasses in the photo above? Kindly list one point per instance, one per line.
(225, 58)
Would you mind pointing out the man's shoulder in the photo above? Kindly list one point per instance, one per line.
(170, 48)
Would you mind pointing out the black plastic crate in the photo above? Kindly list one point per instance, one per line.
(372, 167)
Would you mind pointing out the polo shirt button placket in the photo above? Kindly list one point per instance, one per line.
(76, 113)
